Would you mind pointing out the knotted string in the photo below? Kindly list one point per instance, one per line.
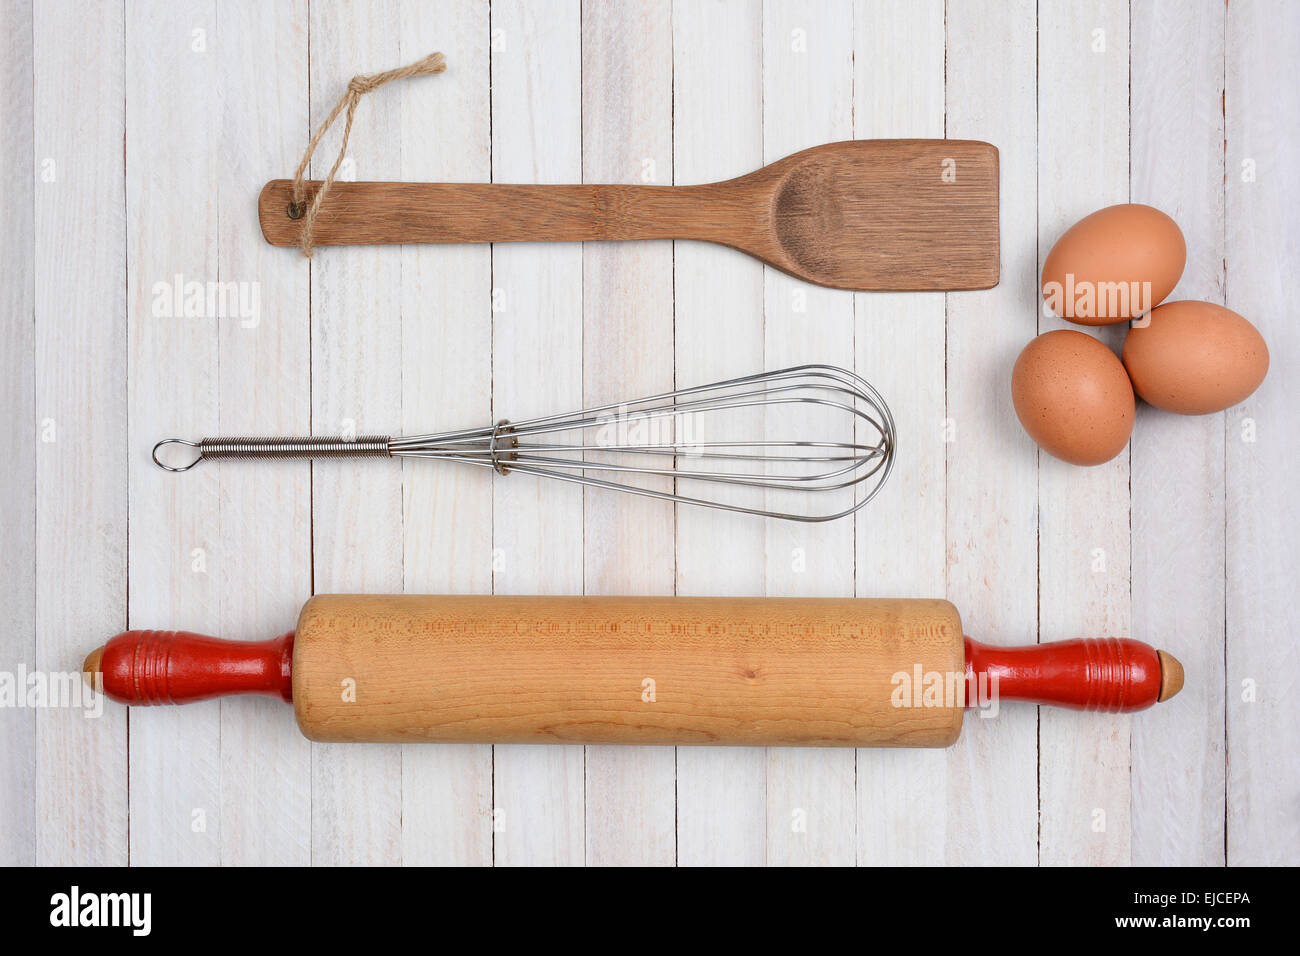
(359, 87)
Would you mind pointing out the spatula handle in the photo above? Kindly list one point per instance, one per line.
(382, 212)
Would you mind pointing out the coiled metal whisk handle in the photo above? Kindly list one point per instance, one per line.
(323, 446)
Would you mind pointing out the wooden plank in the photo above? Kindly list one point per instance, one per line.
(263, 555)
(717, 56)
(1083, 528)
(537, 369)
(627, 334)
(991, 476)
(175, 544)
(807, 100)
(356, 336)
(80, 410)
(898, 90)
(1263, 522)
(1177, 461)
(18, 470)
(447, 384)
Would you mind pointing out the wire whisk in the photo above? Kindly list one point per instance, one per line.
(810, 443)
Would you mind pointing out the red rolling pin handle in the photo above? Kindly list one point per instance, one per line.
(1111, 674)
(176, 667)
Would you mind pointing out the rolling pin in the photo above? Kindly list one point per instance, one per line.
(632, 670)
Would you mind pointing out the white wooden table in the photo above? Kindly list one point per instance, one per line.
(135, 139)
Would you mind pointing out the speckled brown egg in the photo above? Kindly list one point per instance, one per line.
(1114, 265)
(1195, 358)
(1073, 397)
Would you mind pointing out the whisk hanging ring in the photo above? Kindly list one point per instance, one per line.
(198, 456)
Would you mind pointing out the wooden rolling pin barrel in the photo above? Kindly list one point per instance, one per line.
(633, 670)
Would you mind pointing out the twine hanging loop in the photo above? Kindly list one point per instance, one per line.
(360, 85)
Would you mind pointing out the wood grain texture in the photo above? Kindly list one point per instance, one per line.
(717, 56)
(538, 793)
(803, 671)
(898, 90)
(1263, 521)
(446, 384)
(81, 417)
(1177, 461)
(356, 336)
(807, 99)
(991, 487)
(1083, 526)
(18, 394)
(862, 215)
(262, 558)
(175, 541)
(627, 305)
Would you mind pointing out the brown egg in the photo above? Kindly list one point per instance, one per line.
(1114, 265)
(1073, 397)
(1194, 358)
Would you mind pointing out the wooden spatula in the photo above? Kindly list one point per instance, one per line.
(869, 215)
